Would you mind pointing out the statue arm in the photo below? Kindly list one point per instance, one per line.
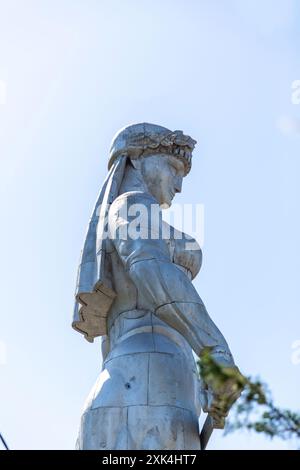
(161, 286)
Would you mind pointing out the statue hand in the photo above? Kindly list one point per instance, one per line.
(209, 405)
(217, 399)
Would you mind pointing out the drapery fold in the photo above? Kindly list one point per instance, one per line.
(93, 296)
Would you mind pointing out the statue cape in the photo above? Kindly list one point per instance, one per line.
(93, 296)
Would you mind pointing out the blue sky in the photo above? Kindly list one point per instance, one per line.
(74, 72)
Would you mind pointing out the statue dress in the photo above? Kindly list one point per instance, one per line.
(137, 293)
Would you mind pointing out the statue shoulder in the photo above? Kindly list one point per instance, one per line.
(133, 197)
(136, 211)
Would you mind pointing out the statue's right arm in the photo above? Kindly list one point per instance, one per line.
(161, 286)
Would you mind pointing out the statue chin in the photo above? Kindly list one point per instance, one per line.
(165, 205)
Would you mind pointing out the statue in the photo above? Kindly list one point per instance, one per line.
(135, 290)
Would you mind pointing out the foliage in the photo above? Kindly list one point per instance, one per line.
(255, 409)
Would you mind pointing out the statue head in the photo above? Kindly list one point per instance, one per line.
(161, 157)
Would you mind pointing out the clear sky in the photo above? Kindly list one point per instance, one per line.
(71, 74)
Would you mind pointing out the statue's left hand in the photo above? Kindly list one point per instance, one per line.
(217, 401)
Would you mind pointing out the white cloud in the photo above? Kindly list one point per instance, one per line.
(295, 98)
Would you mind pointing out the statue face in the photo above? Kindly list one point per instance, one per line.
(163, 176)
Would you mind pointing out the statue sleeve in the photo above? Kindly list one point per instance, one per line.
(136, 230)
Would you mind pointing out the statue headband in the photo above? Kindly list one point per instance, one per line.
(144, 139)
